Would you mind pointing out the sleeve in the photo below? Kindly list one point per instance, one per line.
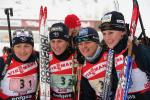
(142, 57)
(1, 67)
(87, 92)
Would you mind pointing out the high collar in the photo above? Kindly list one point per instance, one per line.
(97, 57)
(32, 58)
(65, 55)
(121, 45)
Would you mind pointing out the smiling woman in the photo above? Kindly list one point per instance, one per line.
(22, 63)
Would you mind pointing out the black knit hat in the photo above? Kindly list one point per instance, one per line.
(22, 36)
(59, 31)
(113, 21)
(87, 34)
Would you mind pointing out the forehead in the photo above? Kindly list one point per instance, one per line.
(87, 42)
(112, 31)
(57, 40)
(23, 44)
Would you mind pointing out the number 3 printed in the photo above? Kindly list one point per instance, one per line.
(64, 81)
(21, 83)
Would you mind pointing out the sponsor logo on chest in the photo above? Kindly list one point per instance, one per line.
(61, 66)
(22, 68)
(94, 70)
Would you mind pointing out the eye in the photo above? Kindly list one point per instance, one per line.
(104, 33)
(27, 46)
(18, 46)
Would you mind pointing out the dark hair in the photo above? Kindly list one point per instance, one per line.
(6, 50)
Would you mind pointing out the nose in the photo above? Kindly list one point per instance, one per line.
(54, 45)
(23, 50)
(83, 45)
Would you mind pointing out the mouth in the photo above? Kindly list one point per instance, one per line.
(85, 51)
(109, 42)
(56, 49)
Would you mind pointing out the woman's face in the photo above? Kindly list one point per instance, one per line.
(87, 48)
(112, 37)
(23, 51)
(58, 46)
(74, 31)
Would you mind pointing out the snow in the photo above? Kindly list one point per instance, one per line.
(85, 9)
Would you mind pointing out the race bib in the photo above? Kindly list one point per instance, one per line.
(61, 83)
(22, 84)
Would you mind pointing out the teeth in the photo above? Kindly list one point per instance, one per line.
(56, 49)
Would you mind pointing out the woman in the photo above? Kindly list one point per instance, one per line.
(19, 79)
(61, 65)
(93, 71)
(114, 34)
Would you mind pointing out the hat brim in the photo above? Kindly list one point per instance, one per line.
(108, 26)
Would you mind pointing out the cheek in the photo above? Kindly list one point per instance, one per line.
(52, 47)
(118, 38)
(93, 49)
(28, 50)
(63, 49)
(63, 46)
(17, 51)
(81, 50)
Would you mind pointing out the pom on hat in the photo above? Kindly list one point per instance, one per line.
(72, 21)
(113, 21)
(59, 31)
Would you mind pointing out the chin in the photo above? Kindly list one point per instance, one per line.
(87, 56)
(23, 59)
(111, 46)
(58, 54)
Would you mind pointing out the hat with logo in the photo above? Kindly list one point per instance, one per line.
(22, 36)
(113, 21)
(87, 34)
(72, 21)
(59, 31)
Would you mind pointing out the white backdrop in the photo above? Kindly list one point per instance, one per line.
(85, 9)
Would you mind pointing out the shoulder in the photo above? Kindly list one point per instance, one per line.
(142, 57)
(1, 60)
(2, 64)
(144, 47)
(141, 49)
